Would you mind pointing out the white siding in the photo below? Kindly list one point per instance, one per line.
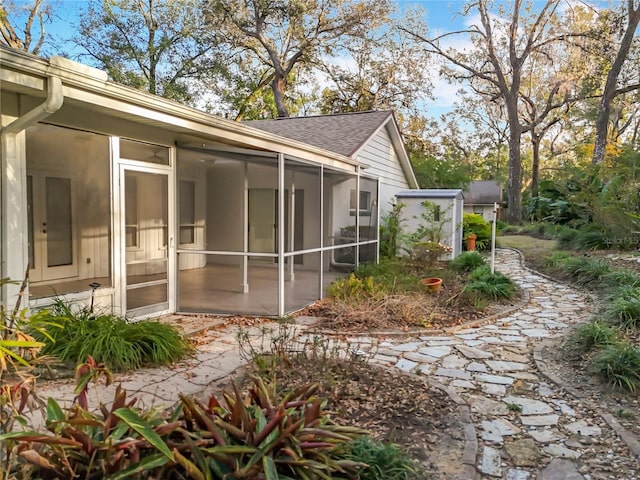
(380, 156)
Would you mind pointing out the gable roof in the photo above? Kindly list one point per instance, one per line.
(433, 193)
(484, 192)
(342, 133)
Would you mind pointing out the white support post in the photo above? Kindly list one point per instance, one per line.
(357, 252)
(321, 276)
(493, 238)
(292, 225)
(280, 233)
(245, 230)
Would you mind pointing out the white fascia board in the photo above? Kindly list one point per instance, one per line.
(91, 86)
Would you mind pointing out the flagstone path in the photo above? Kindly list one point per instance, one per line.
(527, 428)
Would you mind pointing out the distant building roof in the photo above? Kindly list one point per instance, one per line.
(431, 193)
(342, 133)
(483, 192)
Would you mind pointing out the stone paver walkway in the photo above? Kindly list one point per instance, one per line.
(527, 428)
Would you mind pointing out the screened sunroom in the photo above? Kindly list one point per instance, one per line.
(148, 207)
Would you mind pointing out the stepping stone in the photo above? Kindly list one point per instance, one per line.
(487, 406)
(467, 336)
(454, 361)
(420, 357)
(406, 347)
(565, 408)
(583, 428)
(523, 376)
(493, 389)
(436, 352)
(453, 373)
(539, 420)
(473, 353)
(515, 474)
(406, 365)
(529, 405)
(502, 366)
(482, 377)
(546, 391)
(560, 470)
(385, 358)
(513, 357)
(463, 384)
(544, 436)
(474, 343)
(536, 333)
(560, 451)
(477, 367)
(523, 453)
(491, 462)
(499, 428)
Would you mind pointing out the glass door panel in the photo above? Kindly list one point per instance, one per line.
(52, 246)
(146, 221)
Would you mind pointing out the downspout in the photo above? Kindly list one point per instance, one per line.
(52, 104)
(13, 187)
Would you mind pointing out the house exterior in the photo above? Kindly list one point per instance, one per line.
(449, 206)
(153, 207)
(481, 197)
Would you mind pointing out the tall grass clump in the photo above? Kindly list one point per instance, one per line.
(467, 261)
(619, 365)
(589, 336)
(113, 340)
(557, 259)
(385, 461)
(623, 307)
(493, 285)
(585, 270)
(621, 278)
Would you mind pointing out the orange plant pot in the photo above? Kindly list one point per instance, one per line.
(434, 283)
(471, 242)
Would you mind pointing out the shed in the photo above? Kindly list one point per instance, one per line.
(449, 203)
(481, 196)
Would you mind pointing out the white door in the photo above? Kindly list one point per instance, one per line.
(52, 245)
(146, 239)
(262, 222)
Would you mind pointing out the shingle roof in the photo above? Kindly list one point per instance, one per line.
(342, 133)
(484, 192)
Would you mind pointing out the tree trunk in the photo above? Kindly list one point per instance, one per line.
(514, 183)
(278, 86)
(609, 93)
(535, 169)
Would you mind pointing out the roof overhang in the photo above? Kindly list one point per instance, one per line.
(90, 89)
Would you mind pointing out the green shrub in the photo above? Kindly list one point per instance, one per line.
(392, 276)
(385, 461)
(493, 285)
(591, 335)
(623, 307)
(567, 238)
(591, 239)
(354, 289)
(115, 341)
(619, 365)
(467, 261)
(475, 223)
(255, 436)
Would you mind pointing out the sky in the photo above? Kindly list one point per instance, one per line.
(442, 16)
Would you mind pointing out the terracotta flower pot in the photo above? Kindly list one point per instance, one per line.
(433, 283)
(471, 242)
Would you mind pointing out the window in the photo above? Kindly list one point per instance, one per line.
(437, 213)
(131, 211)
(365, 202)
(187, 209)
(478, 209)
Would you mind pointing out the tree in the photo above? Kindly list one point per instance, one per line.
(611, 87)
(24, 38)
(494, 67)
(160, 46)
(284, 35)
